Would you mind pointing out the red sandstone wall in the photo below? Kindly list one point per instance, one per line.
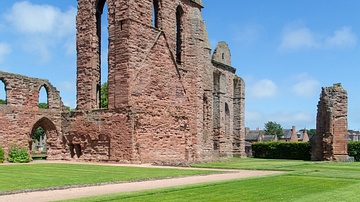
(21, 115)
(330, 142)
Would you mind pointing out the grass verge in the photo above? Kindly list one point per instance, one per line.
(306, 181)
(37, 176)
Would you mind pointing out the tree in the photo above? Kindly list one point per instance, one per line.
(104, 96)
(273, 128)
(43, 105)
(2, 102)
(39, 132)
(310, 132)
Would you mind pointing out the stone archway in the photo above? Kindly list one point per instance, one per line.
(48, 145)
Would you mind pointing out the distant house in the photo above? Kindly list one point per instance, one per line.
(353, 136)
(291, 135)
(257, 135)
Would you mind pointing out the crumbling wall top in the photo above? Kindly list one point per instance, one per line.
(222, 54)
(198, 2)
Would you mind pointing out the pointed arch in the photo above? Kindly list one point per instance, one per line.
(47, 125)
(179, 30)
(43, 101)
(2, 92)
(43, 130)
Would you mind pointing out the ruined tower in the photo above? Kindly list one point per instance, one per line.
(330, 142)
(169, 99)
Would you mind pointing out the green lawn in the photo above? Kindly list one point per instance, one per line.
(304, 181)
(35, 176)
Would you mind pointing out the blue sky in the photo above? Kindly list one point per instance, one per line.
(286, 50)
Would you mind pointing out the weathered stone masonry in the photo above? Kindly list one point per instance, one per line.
(170, 100)
(330, 142)
(21, 116)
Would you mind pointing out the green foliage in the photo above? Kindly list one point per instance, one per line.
(282, 150)
(310, 132)
(273, 128)
(2, 158)
(354, 150)
(43, 105)
(39, 132)
(2, 102)
(104, 95)
(18, 155)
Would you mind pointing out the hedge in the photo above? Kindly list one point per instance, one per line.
(354, 150)
(2, 158)
(282, 150)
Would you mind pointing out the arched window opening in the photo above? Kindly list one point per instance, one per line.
(227, 120)
(179, 27)
(38, 144)
(43, 98)
(155, 14)
(2, 93)
(102, 30)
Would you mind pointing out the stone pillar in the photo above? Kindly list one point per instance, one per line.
(330, 142)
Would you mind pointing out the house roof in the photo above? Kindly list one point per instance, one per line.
(253, 135)
(269, 138)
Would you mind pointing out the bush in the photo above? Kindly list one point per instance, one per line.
(1, 155)
(18, 155)
(354, 150)
(282, 150)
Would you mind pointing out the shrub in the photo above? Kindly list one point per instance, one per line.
(18, 155)
(1, 155)
(354, 150)
(282, 150)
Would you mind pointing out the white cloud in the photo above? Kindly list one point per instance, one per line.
(342, 37)
(295, 38)
(42, 27)
(4, 50)
(263, 88)
(306, 86)
(298, 38)
(67, 86)
(248, 34)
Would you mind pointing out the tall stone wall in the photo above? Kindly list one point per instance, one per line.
(21, 116)
(330, 142)
(169, 99)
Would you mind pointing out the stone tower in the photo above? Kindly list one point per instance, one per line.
(169, 99)
(330, 142)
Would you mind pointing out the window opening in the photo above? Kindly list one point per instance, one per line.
(43, 102)
(155, 14)
(102, 30)
(179, 14)
(2, 93)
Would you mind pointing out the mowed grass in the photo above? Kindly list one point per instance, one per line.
(37, 176)
(304, 181)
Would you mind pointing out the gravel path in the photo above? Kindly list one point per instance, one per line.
(71, 193)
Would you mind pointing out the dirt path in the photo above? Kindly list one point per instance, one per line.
(71, 193)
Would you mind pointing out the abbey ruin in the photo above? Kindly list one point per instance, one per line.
(170, 99)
